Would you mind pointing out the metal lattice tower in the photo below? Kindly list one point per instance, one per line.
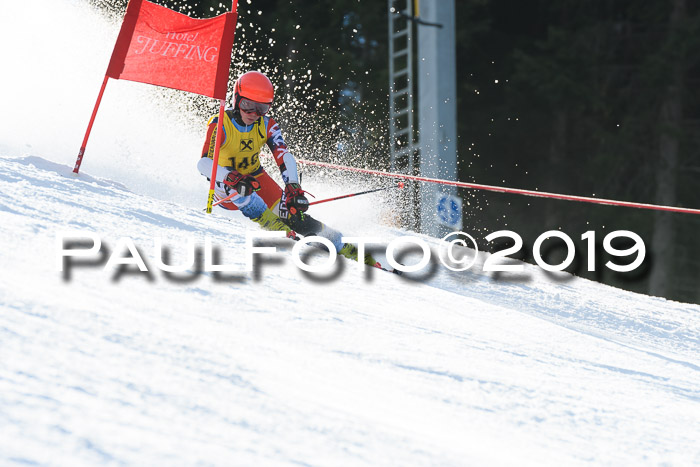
(403, 141)
(422, 110)
(401, 96)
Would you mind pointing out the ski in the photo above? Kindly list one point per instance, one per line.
(296, 237)
(393, 271)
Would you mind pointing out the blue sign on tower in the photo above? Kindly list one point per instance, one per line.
(449, 211)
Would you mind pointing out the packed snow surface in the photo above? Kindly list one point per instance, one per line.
(102, 364)
(277, 366)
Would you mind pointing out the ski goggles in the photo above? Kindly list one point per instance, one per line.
(249, 106)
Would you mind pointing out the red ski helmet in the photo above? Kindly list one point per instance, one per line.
(254, 86)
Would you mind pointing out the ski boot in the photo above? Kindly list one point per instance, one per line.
(350, 251)
(268, 220)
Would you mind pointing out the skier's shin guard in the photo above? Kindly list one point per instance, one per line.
(306, 225)
(350, 251)
(268, 220)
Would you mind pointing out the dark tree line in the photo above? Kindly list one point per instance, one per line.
(594, 97)
(591, 98)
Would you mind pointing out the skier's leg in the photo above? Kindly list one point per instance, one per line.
(306, 225)
(255, 209)
(256, 205)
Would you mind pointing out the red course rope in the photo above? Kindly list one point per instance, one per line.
(476, 186)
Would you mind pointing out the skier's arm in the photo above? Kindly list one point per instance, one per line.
(293, 194)
(205, 166)
(206, 162)
(210, 140)
(284, 159)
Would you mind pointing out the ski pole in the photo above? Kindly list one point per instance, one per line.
(225, 199)
(398, 185)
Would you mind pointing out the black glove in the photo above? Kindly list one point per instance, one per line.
(295, 199)
(243, 184)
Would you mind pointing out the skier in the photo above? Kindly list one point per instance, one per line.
(246, 130)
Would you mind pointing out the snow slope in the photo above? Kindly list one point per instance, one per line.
(273, 367)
